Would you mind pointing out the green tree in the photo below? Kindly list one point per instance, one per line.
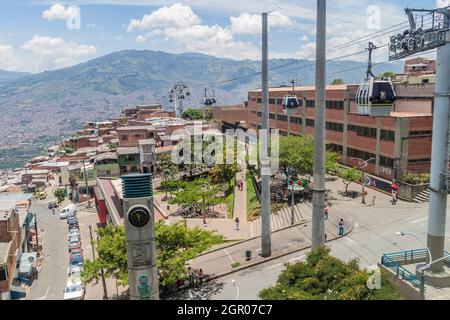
(193, 114)
(337, 81)
(324, 277)
(297, 156)
(349, 176)
(175, 245)
(388, 74)
(60, 194)
(165, 166)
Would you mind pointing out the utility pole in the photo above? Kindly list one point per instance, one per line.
(105, 293)
(266, 243)
(37, 233)
(318, 223)
(440, 156)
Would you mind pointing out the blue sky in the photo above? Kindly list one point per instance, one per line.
(34, 35)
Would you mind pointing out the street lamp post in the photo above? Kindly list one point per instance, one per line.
(362, 165)
(292, 202)
(420, 268)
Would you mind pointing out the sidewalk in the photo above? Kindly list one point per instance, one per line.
(218, 263)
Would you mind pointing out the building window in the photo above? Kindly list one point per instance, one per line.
(282, 118)
(310, 103)
(420, 133)
(387, 135)
(124, 138)
(137, 135)
(310, 122)
(272, 116)
(272, 101)
(3, 274)
(354, 153)
(419, 161)
(337, 105)
(259, 100)
(386, 162)
(259, 114)
(339, 127)
(296, 120)
(363, 131)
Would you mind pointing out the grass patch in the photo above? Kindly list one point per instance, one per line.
(235, 265)
(252, 198)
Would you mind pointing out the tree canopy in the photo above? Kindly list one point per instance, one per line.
(297, 155)
(349, 176)
(324, 277)
(175, 245)
(388, 74)
(337, 81)
(193, 114)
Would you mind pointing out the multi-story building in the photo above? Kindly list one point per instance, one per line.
(10, 235)
(398, 143)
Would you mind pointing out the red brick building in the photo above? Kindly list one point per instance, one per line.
(399, 143)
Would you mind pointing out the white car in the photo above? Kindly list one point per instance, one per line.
(70, 210)
(74, 233)
(74, 288)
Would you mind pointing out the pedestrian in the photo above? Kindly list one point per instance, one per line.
(326, 238)
(191, 277)
(237, 223)
(53, 210)
(326, 213)
(373, 200)
(200, 276)
(341, 227)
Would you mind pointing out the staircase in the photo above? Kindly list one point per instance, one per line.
(422, 197)
(279, 220)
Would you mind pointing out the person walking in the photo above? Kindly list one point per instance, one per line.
(373, 200)
(200, 276)
(326, 213)
(53, 210)
(326, 237)
(341, 227)
(237, 223)
(191, 277)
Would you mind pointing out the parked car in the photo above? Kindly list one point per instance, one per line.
(74, 232)
(73, 225)
(75, 270)
(74, 245)
(72, 221)
(76, 260)
(74, 288)
(74, 239)
(70, 210)
(52, 205)
(76, 252)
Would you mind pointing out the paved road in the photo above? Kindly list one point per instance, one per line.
(374, 234)
(54, 273)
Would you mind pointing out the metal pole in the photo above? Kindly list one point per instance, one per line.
(266, 245)
(37, 233)
(292, 206)
(439, 158)
(318, 223)
(363, 187)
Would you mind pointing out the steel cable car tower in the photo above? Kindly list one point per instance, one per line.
(177, 95)
(422, 37)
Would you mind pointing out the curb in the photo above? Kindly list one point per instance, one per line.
(251, 239)
(274, 257)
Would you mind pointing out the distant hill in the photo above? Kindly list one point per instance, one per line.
(11, 75)
(44, 106)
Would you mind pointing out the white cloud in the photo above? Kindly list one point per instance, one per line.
(56, 53)
(59, 12)
(8, 59)
(178, 15)
(179, 25)
(247, 23)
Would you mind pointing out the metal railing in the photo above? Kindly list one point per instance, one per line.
(394, 262)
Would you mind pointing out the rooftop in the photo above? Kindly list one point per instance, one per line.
(127, 150)
(305, 88)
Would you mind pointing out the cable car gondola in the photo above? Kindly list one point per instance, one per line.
(374, 97)
(290, 102)
(207, 101)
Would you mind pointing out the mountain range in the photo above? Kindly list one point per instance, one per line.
(37, 109)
